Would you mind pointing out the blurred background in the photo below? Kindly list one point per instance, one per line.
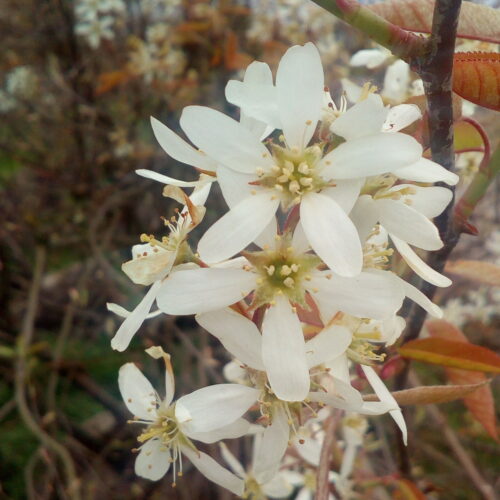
(78, 82)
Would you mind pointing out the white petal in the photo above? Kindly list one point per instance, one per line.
(235, 430)
(369, 295)
(201, 290)
(328, 344)
(283, 352)
(125, 313)
(164, 179)
(331, 234)
(179, 149)
(371, 58)
(271, 447)
(418, 297)
(215, 406)
(268, 237)
(277, 487)
(365, 216)
(235, 185)
(214, 472)
(429, 201)
(137, 392)
(418, 265)
(371, 155)
(134, 320)
(238, 335)
(364, 118)
(153, 460)
(408, 225)
(425, 170)
(345, 192)
(231, 460)
(237, 228)
(396, 80)
(300, 87)
(399, 117)
(384, 395)
(353, 91)
(339, 369)
(147, 269)
(224, 139)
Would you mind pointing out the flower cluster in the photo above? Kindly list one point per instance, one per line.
(296, 280)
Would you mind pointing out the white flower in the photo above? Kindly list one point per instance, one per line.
(153, 261)
(96, 30)
(206, 415)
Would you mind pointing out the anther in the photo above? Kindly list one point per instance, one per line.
(294, 187)
(303, 168)
(285, 270)
(289, 282)
(306, 181)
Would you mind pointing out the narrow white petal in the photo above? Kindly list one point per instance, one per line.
(238, 335)
(396, 80)
(353, 91)
(237, 228)
(408, 225)
(339, 368)
(164, 179)
(418, 297)
(215, 406)
(345, 192)
(425, 170)
(179, 149)
(137, 392)
(272, 447)
(429, 201)
(371, 58)
(418, 265)
(234, 430)
(277, 487)
(214, 472)
(369, 295)
(371, 155)
(235, 186)
(224, 139)
(134, 320)
(299, 240)
(231, 460)
(364, 118)
(328, 344)
(331, 234)
(348, 461)
(300, 87)
(283, 352)
(125, 313)
(268, 236)
(399, 117)
(385, 396)
(153, 460)
(194, 291)
(365, 216)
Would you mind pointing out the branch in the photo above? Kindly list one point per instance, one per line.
(400, 42)
(322, 481)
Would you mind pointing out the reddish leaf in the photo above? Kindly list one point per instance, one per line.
(407, 490)
(108, 81)
(476, 77)
(432, 394)
(233, 59)
(476, 21)
(481, 272)
(452, 353)
(480, 403)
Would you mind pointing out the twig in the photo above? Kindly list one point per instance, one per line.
(21, 374)
(323, 484)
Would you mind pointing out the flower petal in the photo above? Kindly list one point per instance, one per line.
(267, 239)
(300, 242)
(425, 170)
(385, 396)
(371, 155)
(153, 460)
(214, 472)
(408, 225)
(369, 295)
(238, 335)
(215, 406)
(224, 139)
(283, 352)
(418, 297)
(238, 228)
(365, 216)
(300, 87)
(271, 448)
(277, 487)
(235, 185)
(363, 119)
(164, 179)
(179, 149)
(134, 320)
(331, 234)
(328, 344)
(231, 460)
(371, 58)
(418, 265)
(399, 117)
(235, 430)
(137, 392)
(194, 291)
(429, 201)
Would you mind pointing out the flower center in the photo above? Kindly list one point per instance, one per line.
(253, 491)
(164, 428)
(293, 174)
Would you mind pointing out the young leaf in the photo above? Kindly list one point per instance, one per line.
(432, 394)
(485, 273)
(467, 136)
(480, 403)
(452, 353)
(478, 22)
(476, 77)
(408, 490)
